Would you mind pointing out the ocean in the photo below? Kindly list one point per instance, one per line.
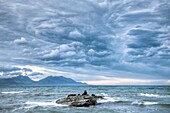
(117, 99)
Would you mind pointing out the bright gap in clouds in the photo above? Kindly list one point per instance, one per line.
(127, 81)
(96, 80)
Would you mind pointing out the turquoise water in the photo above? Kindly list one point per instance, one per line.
(118, 99)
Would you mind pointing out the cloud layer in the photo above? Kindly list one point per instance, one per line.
(128, 38)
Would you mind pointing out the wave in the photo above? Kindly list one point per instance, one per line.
(149, 95)
(154, 95)
(165, 105)
(107, 99)
(12, 92)
(146, 103)
(43, 104)
(103, 94)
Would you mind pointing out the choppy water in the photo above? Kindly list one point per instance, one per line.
(118, 99)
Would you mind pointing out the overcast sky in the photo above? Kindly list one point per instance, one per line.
(106, 42)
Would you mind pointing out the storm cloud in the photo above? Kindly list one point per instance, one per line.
(129, 39)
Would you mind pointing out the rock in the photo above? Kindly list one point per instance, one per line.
(79, 100)
(85, 93)
(71, 95)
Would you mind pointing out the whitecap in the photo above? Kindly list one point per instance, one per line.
(107, 99)
(103, 94)
(146, 103)
(43, 104)
(12, 92)
(154, 95)
(149, 95)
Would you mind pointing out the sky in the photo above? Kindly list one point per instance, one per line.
(100, 42)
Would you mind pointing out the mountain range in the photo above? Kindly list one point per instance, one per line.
(48, 81)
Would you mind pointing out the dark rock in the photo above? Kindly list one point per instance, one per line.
(99, 97)
(79, 100)
(93, 95)
(85, 93)
(71, 95)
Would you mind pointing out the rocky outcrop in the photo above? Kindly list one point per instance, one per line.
(79, 100)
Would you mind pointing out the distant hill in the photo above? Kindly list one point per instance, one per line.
(16, 81)
(49, 81)
(58, 81)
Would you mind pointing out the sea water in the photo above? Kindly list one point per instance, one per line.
(117, 99)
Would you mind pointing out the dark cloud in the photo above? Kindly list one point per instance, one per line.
(8, 68)
(145, 39)
(35, 73)
(11, 71)
(26, 69)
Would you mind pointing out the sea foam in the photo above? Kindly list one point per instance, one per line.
(154, 95)
(146, 103)
(12, 92)
(103, 94)
(149, 95)
(43, 104)
(107, 99)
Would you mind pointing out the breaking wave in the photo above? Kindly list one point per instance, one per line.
(144, 103)
(43, 104)
(154, 95)
(103, 94)
(149, 95)
(12, 92)
(107, 99)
